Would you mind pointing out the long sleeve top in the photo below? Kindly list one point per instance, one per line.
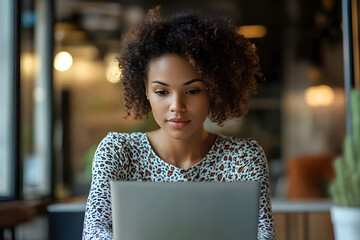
(130, 157)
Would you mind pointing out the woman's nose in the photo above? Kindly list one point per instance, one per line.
(177, 104)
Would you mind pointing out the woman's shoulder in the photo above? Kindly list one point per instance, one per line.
(250, 156)
(118, 139)
(123, 137)
(248, 148)
(238, 142)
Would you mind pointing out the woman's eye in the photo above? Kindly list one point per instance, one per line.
(160, 93)
(193, 91)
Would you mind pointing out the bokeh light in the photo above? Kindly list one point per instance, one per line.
(321, 95)
(252, 31)
(63, 61)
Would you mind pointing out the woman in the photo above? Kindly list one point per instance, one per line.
(184, 68)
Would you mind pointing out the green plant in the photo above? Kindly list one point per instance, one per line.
(85, 177)
(345, 189)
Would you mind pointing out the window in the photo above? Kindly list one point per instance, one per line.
(7, 168)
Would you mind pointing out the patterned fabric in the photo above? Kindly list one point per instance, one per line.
(123, 156)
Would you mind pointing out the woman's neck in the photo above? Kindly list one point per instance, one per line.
(182, 153)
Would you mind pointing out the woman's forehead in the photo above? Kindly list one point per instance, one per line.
(173, 67)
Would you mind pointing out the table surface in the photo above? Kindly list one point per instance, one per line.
(313, 205)
(278, 205)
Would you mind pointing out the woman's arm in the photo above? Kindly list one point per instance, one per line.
(258, 170)
(106, 166)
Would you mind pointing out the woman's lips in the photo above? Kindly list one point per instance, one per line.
(178, 123)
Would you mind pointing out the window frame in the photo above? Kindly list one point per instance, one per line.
(14, 112)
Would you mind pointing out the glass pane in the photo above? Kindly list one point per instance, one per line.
(298, 50)
(6, 170)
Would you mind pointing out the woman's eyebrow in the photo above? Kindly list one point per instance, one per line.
(185, 84)
(192, 81)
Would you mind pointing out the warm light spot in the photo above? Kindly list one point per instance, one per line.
(29, 64)
(63, 61)
(112, 70)
(252, 31)
(317, 96)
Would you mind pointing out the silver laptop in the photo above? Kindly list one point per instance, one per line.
(185, 210)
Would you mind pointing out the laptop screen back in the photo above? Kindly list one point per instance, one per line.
(185, 210)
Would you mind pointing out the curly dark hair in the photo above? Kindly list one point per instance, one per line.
(227, 62)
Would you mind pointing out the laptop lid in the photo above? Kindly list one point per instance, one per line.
(184, 210)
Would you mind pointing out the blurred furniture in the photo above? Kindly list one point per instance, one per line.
(14, 213)
(308, 176)
(66, 220)
(302, 220)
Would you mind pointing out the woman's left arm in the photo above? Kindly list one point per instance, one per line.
(258, 170)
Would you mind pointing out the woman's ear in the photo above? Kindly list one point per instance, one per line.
(146, 92)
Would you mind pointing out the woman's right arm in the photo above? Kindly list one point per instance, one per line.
(106, 166)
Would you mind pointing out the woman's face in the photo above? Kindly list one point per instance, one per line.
(177, 96)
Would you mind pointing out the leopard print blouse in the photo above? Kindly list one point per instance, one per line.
(129, 156)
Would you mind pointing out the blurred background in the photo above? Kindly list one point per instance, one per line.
(61, 93)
